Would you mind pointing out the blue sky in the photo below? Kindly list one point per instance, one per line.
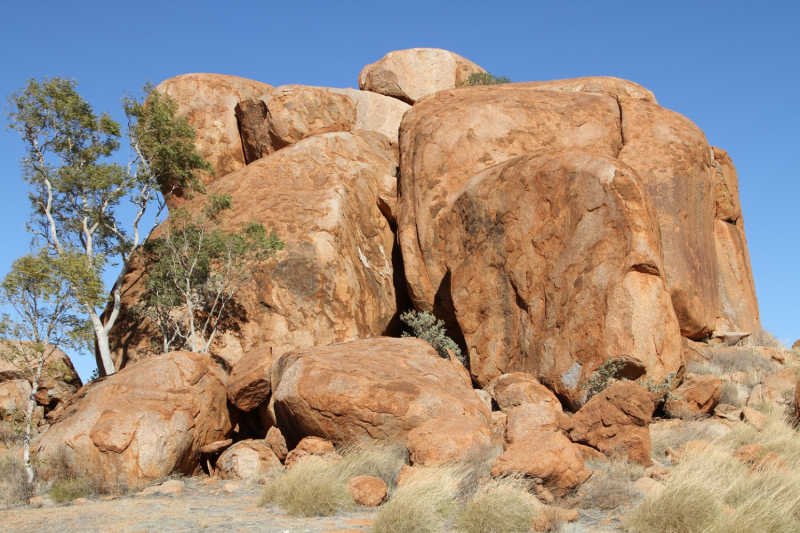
(731, 67)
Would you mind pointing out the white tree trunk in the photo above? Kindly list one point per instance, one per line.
(26, 437)
(102, 344)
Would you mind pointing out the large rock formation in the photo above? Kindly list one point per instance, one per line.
(408, 75)
(292, 112)
(556, 267)
(334, 281)
(208, 102)
(378, 388)
(675, 162)
(738, 310)
(141, 423)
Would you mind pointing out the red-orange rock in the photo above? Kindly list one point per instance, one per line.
(408, 75)
(738, 302)
(246, 459)
(697, 396)
(619, 89)
(208, 101)
(333, 282)
(616, 422)
(14, 396)
(249, 382)
(674, 160)
(453, 135)
(367, 491)
(380, 388)
(276, 442)
(142, 423)
(512, 390)
(546, 456)
(748, 453)
(446, 440)
(556, 267)
(778, 389)
(311, 447)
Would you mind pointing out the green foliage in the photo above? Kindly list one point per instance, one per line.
(76, 192)
(604, 376)
(70, 489)
(195, 269)
(427, 327)
(483, 78)
(661, 389)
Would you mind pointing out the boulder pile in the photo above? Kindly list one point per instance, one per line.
(554, 227)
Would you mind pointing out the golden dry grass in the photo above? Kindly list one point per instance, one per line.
(711, 492)
(501, 506)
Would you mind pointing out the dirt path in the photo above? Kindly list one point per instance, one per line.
(198, 508)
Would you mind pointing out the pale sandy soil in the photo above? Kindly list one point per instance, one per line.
(211, 509)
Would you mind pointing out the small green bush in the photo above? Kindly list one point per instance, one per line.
(497, 508)
(67, 490)
(483, 78)
(427, 327)
(310, 488)
(603, 377)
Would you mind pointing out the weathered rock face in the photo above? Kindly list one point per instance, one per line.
(334, 281)
(675, 162)
(57, 367)
(14, 396)
(616, 422)
(556, 267)
(208, 101)
(249, 382)
(697, 396)
(246, 459)
(512, 390)
(143, 422)
(453, 135)
(440, 441)
(618, 88)
(546, 456)
(408, 75)
(738, 309)
(292, 112)
(276, 442)
(380, 388)
(777, 389)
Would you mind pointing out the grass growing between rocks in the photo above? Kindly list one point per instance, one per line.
(503, 506)
(67, 490)
(736, 359)
(424, 503)
(14, 486)
(710, 491)
(609, 488)
(663, 437)
(319, 488)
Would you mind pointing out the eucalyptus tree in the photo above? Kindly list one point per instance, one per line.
(44, 292)
(77, 190)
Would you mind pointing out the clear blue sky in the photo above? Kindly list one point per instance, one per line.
(731, 67)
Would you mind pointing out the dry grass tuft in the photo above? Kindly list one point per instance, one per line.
(502, 506)
(373, 458)
(762, 337)
(609, 488)
(424, 503)
(672, 437)
(14, 487)
(310, 488)
(710, 491)
(70, 489)
(736, 359)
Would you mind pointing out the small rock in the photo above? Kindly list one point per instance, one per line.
(648, 486)
(770, 461)
(367, 491)
(698, 395)
(216, 447)
(657, 472)
(749, 453)
(171, 487)
(80, 501)
(728, 412)
(739, 377)
(756, 419)
(277, 443)
(550, 517)
(230, 487)
(311, 447)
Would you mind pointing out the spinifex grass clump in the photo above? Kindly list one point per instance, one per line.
(503, 506)
(310, 488)
(318, 488)
(713, 492)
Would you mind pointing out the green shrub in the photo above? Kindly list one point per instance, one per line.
(427, 327)
(67, 490)
(603, 377)
(483, 78)
(310, 488)
(498, 508)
